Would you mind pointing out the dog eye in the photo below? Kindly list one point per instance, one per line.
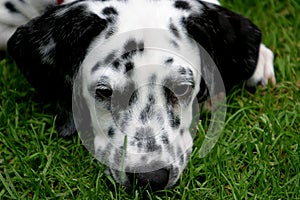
(182, 90)
(103, 93)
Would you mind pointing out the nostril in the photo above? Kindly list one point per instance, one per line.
(157, 179)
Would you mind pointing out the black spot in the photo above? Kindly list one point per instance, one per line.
(96, 67)
(181, 160)
(109, 11)
(109, 33)
(182, 70)
(184, 21)
(145, 138)
(165, 139)
(151, 145)
(130, 49)
(173, 119)
(141, 46)
(203, 92)
(169, 61)
(11, 7)
(151, 99)
(109, 58)
(175, 123)
(182, 5)
(130, 45)
(174, 43)
(116, 64)
(181, 132)
(133, 99)
(190, 72)
(139, 144)
(129, 66)
(144, 115)
(160, 119)
(111, 132)
(174, 30)
(110, 19)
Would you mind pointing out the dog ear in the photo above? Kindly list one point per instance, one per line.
(48, 51)
(230, 39)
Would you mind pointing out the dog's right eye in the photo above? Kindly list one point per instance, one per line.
(182, 90)
(103, 93)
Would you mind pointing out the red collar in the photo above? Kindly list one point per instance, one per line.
(59, 1)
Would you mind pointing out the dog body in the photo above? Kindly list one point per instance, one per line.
(133, 69)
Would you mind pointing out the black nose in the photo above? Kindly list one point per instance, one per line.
(156, 179)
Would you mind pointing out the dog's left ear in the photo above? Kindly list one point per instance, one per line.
(231, 40)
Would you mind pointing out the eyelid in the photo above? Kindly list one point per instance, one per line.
(187, 83)
(103, 84)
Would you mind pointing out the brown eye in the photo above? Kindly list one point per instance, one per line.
(103, 93)
(182, 90)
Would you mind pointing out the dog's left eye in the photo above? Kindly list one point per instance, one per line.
(103, 93)
(182, 90)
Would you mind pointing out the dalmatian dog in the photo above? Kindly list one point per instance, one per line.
(126, 73)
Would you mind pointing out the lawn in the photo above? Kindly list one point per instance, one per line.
(256, 157)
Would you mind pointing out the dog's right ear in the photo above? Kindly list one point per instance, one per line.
(49, 49)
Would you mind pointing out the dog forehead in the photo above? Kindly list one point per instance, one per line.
(152, 66)
(154, 44)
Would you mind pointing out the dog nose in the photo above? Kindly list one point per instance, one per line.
(157, 179)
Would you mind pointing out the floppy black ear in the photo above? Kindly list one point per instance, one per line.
(231, 40)
(48, 51)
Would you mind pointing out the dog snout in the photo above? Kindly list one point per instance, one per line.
(157, 179)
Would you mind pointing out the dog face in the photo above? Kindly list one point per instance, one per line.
(139, 85)
(133, 70)
(142, 89)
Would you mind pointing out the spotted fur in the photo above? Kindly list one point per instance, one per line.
(134, 68)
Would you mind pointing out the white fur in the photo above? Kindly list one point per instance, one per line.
(264, 71)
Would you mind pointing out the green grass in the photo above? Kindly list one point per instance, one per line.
(257, 156)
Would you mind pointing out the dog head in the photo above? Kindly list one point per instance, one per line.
(134, 69)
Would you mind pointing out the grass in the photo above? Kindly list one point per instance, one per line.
(257, 156)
